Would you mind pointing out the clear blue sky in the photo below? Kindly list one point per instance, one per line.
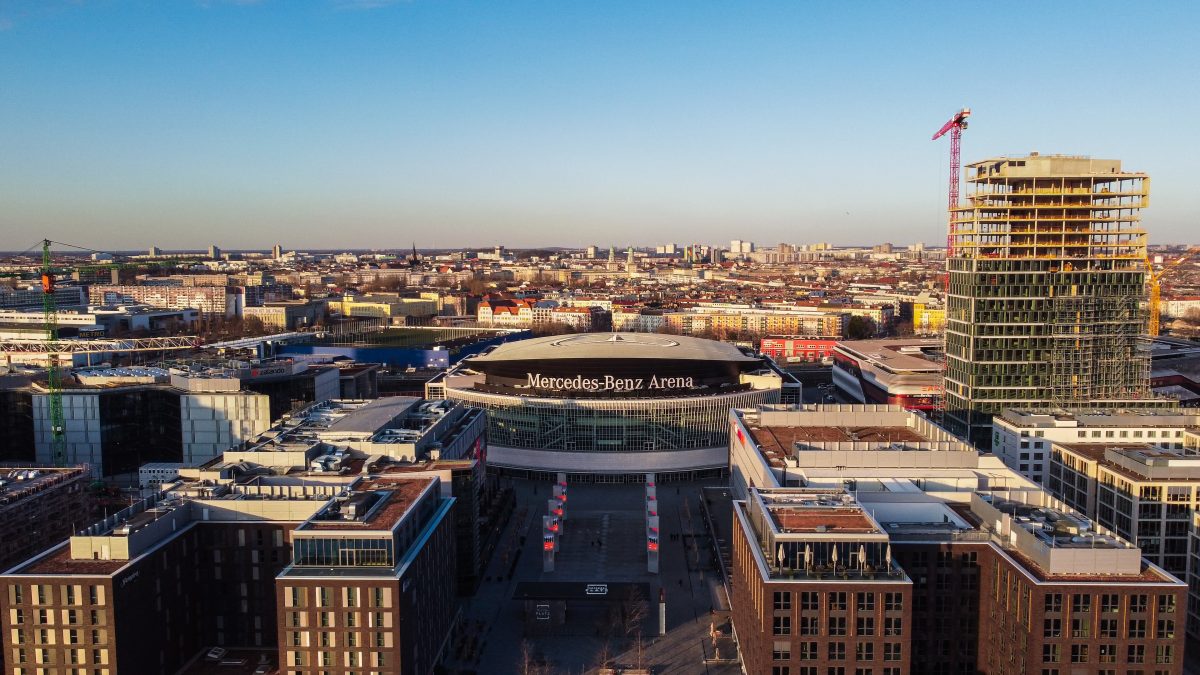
(372, 123)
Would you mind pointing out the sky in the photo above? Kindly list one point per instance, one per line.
(376, 123)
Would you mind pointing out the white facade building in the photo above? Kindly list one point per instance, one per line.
(1022, 438)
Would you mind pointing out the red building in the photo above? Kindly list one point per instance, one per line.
(793, 349)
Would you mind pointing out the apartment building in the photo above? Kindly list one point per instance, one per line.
(39, 506)
(210, 301)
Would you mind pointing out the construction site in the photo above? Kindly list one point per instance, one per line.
(1047, 270)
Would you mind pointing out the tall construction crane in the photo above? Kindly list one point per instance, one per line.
(58, 441)
(1154, 280)
(955, 128)
(53, 346)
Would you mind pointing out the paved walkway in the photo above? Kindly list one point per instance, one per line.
(603, 542)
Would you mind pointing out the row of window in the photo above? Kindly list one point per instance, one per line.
(835, 651)
(837, 601)
(68, 594)
(1109, 602)
(1053, 653)
(1081, 627)
(864, 626)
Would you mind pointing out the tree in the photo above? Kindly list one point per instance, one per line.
(528, 664)
(477, 286)
(860, 328)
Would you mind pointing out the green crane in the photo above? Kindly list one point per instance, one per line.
(58, 442)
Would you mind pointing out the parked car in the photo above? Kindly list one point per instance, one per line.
(215, 654)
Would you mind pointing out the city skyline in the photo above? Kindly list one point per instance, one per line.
(368, 124)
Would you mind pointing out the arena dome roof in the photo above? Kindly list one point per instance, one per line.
(615, 346)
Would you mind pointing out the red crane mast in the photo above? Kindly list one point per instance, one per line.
(955, 127)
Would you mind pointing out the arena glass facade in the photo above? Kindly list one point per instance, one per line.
(612, 434)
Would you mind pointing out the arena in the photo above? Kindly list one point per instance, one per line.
(612, 406)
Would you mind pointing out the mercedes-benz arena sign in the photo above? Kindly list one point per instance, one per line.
(611, 402)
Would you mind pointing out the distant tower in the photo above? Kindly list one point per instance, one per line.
(630, 265)
(612, 254)
(414, 259)
(154, 252)
(214, 252)
(277, 252)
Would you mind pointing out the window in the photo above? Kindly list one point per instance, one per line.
(781, 625)
(1079, 653)
(1081, 603)
(837, 625)
(1137, 628)
(809, 600)
(1164, 654)
(1108, 653)
(1166, 604)
(1110, 603)
(837, 601)
(1081, 627)
(864, 602)
(1052, 628)
(864, 651)
(865, 626)
(1166, 629)
(783, 600)
(1051, 654)
(781, 670)
(893, 602)
(837, 651)
(782, 651)
(892, 626)
(1138, 603)
(1054, 602)
(891, 651)
(1135, 654)
(1108, 628)
(808, 651)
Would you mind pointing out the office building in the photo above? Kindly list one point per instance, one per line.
(120, 418)
(1022, 438)
(1047, 281)
(1144, 492)
(331, 540)
(947, 561)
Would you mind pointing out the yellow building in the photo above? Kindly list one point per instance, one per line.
(384, 306)
(928, 320)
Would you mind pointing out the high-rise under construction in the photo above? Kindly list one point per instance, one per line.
(1046, 284)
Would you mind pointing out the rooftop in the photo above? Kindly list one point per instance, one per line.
(374, 504)
(21, 482)
(373, 416)
(615, 346)
(900, 355)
